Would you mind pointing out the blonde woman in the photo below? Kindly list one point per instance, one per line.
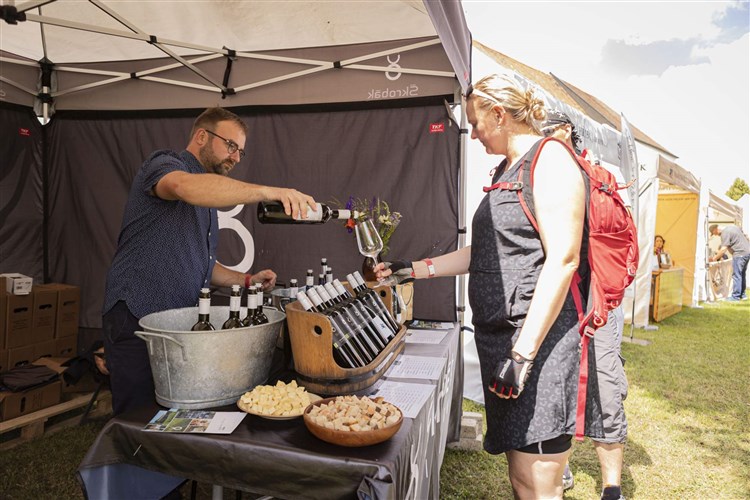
(526, 325)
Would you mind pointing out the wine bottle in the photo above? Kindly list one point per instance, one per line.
(309, 280)
(272, 212)
(204, 310)
(293, 288)
(360, 320)
(361, 331)
(323, 266)
(234, 320)
(341, 324)
(321, 279)
(329, 275)
(251, 307)
(371, 298)
(384, 329)
(260, 316)
(343, 354)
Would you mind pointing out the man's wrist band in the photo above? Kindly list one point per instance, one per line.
(248, 280)
(430, 268)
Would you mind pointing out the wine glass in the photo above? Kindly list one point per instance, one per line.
(370, 245)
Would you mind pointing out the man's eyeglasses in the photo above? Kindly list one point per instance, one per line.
(232, 146)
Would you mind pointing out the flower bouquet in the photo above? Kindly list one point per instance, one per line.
(385, 220)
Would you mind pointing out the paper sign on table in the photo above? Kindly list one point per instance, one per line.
(410, 398)
(425, 336)
(419, 367)
(430, 325)
(207, 422)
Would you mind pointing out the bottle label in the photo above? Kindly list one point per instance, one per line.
(312, 215)
(204, 306)
(234, 303)
(382, 328)
(345, 214)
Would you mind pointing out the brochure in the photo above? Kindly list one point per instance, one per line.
(207, 422)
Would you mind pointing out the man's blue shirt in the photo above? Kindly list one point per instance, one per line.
(166, 250)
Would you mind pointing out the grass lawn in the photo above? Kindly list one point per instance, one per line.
(688, 414)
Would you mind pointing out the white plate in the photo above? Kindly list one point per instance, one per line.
(245, 408)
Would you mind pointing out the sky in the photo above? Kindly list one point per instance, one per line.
(679, 71)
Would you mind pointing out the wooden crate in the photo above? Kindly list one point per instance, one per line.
(311, 337)
(34, 425)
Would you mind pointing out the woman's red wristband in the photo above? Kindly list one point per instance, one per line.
(248, 280)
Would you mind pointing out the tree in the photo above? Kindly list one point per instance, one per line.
(737, 189)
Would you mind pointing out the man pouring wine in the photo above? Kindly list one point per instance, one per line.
(166, 250)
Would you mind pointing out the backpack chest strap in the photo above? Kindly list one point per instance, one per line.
(504, 186)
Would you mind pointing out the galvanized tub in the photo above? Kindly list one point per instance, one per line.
(195, 370)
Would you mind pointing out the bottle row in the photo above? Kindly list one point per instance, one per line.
(255, 315)
(361, 325)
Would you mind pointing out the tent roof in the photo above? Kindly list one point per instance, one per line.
(671, 173)
(565, 92)
(602, 113)
(169, 54)
(724, 206)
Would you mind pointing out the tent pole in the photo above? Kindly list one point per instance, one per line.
(462, 205)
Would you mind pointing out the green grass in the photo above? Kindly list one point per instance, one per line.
(688, 414)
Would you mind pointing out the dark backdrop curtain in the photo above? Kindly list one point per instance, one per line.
(392, 153)
(21, 208)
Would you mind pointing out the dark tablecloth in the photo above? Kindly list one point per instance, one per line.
(282, 458)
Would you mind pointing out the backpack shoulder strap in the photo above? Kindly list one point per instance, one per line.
(526, 177)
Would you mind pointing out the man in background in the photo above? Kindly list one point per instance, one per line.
(733, 240)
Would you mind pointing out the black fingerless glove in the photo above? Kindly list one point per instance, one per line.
(403, 271)
(510, 376)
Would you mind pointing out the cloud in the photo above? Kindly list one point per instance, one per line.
(733, 22)
(648, 59)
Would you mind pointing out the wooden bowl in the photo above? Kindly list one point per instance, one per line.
(349, 438)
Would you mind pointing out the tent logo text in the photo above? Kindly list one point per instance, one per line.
(393, 64)
(436, 128)
(389, 93)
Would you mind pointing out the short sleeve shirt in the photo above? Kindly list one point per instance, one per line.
(166, 250)
(734, 238)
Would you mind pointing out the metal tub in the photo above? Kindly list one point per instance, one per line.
(195, 370)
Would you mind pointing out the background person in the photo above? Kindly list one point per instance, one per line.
(523, 313)
(610, 371)
(166, 250)
(733, 240)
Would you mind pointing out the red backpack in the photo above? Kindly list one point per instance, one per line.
(612, 251)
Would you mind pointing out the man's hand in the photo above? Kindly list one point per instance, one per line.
(510, 376)
(266, 278)
(295, 203)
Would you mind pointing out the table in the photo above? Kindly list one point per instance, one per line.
(666, 293)
(282, 458)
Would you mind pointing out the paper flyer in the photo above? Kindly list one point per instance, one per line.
(416, 367)
(425, 336)
(410, 398)
(207, 422)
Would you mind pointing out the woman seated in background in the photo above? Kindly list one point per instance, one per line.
(663, 258)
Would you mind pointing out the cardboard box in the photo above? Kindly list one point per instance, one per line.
(68, 309)
(17, 404)
(46, 349)
(19, 356)
(66, 347)
(44, 313)
(17, 284)
(18, 320)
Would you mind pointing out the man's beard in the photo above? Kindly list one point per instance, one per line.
(212, 163)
